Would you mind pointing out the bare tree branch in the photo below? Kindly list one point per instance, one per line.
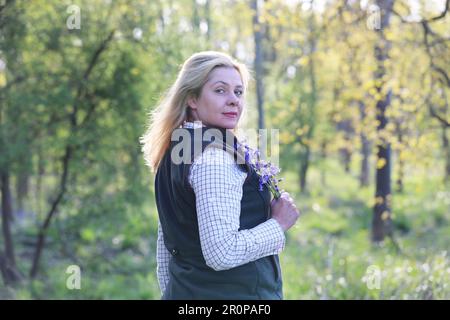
(438, 17)
(442, 15)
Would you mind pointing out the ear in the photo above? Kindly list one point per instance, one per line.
(192, 102)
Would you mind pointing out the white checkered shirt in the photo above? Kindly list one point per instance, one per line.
(217, 182)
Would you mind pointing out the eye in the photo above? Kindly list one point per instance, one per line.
(239, 92)
(218, 90)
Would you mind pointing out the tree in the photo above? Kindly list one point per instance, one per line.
(381, 222)
(258, 63)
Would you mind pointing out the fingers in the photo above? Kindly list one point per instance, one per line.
(286, 196)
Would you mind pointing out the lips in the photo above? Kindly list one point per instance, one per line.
(230, 114)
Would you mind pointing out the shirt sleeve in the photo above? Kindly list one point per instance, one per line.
(162, 260)
(217, 182)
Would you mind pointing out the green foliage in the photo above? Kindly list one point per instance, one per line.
(85, 95)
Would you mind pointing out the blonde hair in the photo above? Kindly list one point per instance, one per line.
(173, 110)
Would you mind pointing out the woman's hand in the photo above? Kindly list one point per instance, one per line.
(284, 211)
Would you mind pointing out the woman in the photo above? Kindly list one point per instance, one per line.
(219, 236)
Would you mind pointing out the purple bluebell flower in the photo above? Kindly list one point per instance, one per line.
(266, 171)
(247, 154)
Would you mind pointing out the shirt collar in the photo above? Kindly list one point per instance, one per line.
(193, 124)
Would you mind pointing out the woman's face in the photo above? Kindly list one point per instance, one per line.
(221, 99)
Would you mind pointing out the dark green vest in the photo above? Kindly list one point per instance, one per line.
(190, 277)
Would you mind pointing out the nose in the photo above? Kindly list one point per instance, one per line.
(233, 100)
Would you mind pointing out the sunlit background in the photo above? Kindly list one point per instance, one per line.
(359, 92)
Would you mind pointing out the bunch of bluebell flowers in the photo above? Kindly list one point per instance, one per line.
(266, 171)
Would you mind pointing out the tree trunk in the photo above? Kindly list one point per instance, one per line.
(22, 189)
(401, 162)
(7, 260)
(208, 19)
(446, 147)
(400, 175)
(258, 64)
(39, 179)
(195, 17)
(323, 153)
(365, 149)
(312, 100)
(365, 171)
(43, 230)
(345, 153)
(381, 222)
(162, 22)
(304, 165)
(346, 156)
(6, 218)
